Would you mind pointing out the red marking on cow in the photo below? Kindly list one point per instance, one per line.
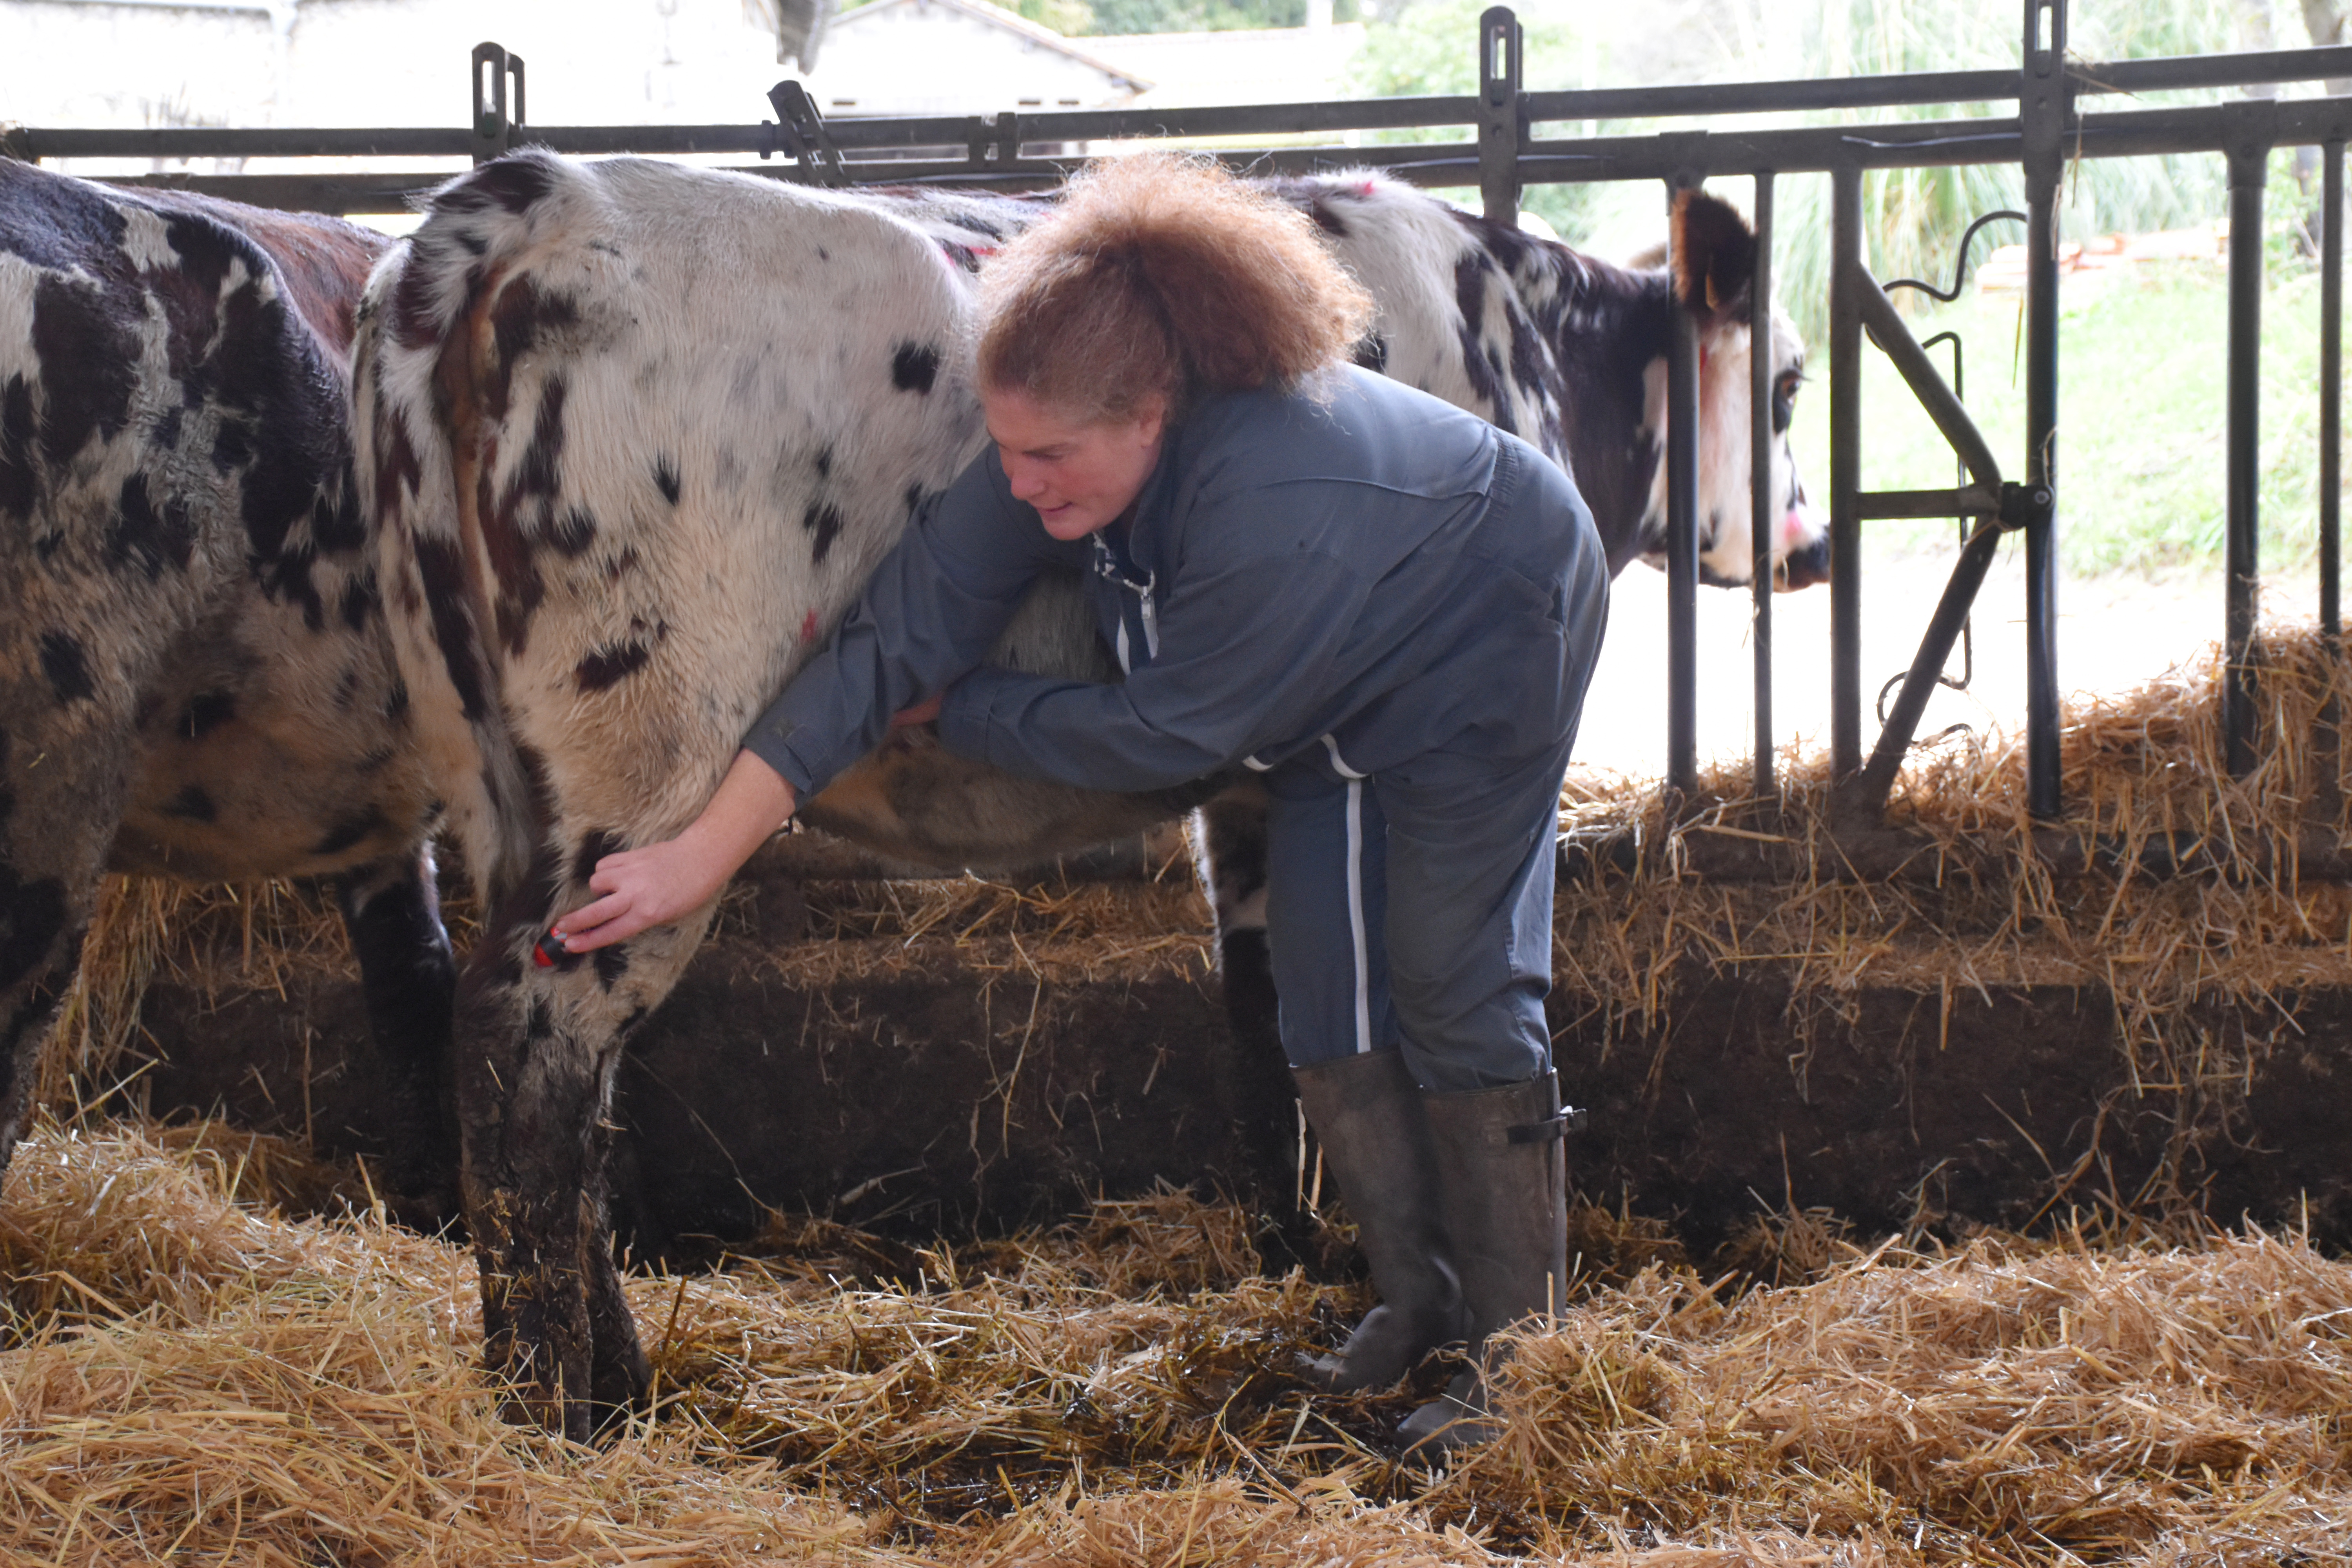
(808, 626)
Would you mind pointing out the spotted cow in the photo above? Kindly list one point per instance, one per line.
(195, 677)
(633, 436)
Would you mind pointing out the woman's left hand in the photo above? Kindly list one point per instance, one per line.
(923, 712)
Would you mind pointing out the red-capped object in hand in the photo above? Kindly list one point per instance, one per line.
(547, 949)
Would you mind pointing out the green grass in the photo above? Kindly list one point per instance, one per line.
(2142, 415)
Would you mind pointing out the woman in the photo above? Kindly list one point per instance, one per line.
(1380, 603)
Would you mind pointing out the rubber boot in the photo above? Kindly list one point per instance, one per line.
(1502, 1173)
(1367, 1112)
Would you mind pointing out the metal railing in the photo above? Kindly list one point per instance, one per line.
(2048, 130)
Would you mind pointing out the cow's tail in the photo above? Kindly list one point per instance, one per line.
(419, 342)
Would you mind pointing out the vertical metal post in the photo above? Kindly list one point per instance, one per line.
(1682, 537)
(496, 116)
(2331, 398)
(2043, 106)
(2248, 162)
(1764, 502)
(1501, 128)
(1846, 471)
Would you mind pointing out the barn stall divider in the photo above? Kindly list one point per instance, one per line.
(2108, 969)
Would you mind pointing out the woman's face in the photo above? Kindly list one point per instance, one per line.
(1078, 477)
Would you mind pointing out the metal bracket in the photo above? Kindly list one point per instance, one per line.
(993, 138)
(1568, 1118)
(802, 130)
(2022, 505)
(1502, 111)
(498, 117)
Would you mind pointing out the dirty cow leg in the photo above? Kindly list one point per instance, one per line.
(62, 764)
(1255, 1089)
(392, 913)
(27, 1008)
(1229, 843)
(536, 1049)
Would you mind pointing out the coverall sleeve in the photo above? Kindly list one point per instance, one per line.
(1246, 651)
(935, 605)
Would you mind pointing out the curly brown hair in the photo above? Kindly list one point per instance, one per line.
(1162, 275)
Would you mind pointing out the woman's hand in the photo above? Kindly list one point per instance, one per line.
(658, 883)
(922, 713)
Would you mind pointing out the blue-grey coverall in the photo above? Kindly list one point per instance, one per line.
(1385, 605)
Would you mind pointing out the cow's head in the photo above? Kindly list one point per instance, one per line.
(1714, 269)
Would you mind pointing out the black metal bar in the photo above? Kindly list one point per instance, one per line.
(1682, 539)
(2307, 122)
(1893, 91)
(2043, 108)
(2331, 397)
(1902, 89)
(493, 125)
(1970, 501)
(1502, 46)
(1764, 501)
(1846, 471)
(2242, 511)
(2172, 72)
(1869, 790)
(1248, 119)
(1812, 149)
(302, 193)
(213, 142)
(1926, 383)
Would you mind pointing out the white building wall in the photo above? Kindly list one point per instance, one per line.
(379, 62)
(130, 66)
(936, 59)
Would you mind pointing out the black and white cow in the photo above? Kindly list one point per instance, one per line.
(634, 436)
(194, 675)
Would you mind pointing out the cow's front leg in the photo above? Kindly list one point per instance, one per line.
(393, 912)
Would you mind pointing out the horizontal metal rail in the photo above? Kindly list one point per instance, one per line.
(1900, 90)
(1807, 150)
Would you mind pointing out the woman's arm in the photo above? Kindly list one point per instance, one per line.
(660, 882)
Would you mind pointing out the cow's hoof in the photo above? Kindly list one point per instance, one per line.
(620, 1388)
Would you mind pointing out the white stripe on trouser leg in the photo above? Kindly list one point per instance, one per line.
(1356, 914)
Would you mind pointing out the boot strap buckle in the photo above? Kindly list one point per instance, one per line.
(1568, 1118)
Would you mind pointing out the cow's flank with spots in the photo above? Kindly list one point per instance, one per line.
(194, 678)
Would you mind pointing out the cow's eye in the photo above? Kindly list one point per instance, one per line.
(1786, 387)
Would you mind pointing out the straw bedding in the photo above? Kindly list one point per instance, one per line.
(194, 1374)
(215, 1351)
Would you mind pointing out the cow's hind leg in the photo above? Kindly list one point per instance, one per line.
(1229, 842)
(536, 1046)
(393, 912)
(63, 759)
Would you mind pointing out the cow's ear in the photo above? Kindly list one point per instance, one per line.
(1713, 256)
